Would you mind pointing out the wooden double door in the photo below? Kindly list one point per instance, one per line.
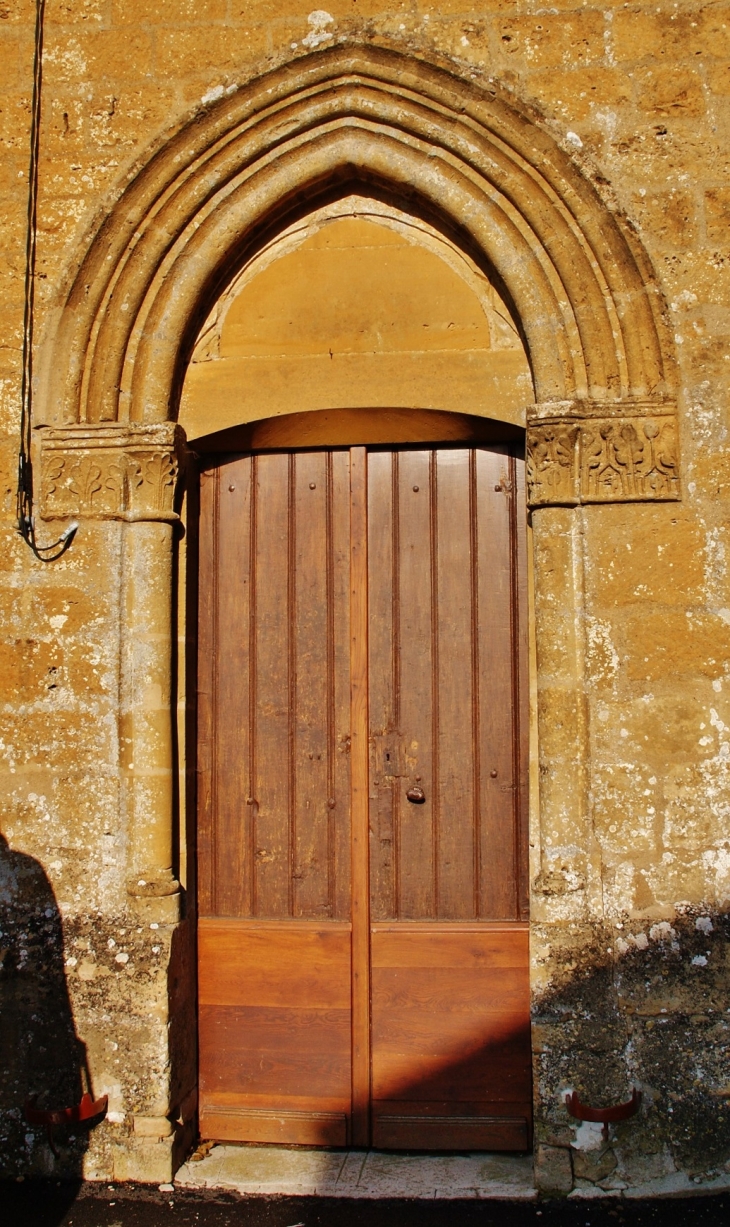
(363, 945)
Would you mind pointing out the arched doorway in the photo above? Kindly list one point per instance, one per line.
(478, 168)
(362, 836)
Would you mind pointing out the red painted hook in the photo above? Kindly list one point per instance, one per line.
(603, 1116)
(86, 1109)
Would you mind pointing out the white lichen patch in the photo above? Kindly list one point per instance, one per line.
(318, 21)
(602, 658)
(68, 58)
(716, 569)
(716, 863)
(635, 941)
(213, 94)
(662, 932)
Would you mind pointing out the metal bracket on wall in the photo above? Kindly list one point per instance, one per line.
(86, 1110)
(603, 1116)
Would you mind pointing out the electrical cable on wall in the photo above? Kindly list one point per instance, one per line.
(26, 520)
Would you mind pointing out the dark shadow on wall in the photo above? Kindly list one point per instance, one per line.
(40, 1052)
(645, 1004)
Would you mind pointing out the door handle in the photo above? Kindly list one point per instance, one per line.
(416, 795)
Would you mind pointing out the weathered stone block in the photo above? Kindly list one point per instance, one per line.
(670, 218)
(670, 91)
(152, 1127)
(145, 1160)
(717, 214)
(228, 50)
(593, 1165)
(172, 12)
(577, 93)
(553, 1171)
(637, 34)
(552, 39)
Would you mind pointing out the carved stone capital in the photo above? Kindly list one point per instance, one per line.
(602, 460)
(111, 471)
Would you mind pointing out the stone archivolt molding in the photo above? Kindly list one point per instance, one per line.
(600, 459)
(472, 164)
(463, 157)
(110, 472)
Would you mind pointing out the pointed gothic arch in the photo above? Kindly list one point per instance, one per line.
(581, 286)
(577, 277)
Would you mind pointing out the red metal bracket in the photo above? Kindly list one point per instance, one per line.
(603, 1116)
(86, 1109)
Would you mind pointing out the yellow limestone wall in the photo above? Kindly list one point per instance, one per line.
(630, 953)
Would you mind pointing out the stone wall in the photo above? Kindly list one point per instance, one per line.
(632, 863)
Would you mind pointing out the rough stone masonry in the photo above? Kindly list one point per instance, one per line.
(619, 119)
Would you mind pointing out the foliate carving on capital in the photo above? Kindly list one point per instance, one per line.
(552, 464)
(110, 472)
(603, 460)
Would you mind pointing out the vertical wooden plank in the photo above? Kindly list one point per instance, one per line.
(454, 697)
(339, 632)
(417, 654)
(496, 698)
(188, 632)
(207, 643)
(521, 683)
(384, 735)
(232, 860)
(311, 688)
(359, 801)
(270, 800)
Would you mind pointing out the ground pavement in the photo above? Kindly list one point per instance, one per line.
(264, 1186)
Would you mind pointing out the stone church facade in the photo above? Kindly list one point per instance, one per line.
(551, 190)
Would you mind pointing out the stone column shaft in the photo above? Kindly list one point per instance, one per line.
(129, 472)
(146, 706)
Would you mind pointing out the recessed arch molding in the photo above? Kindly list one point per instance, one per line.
(603, 425)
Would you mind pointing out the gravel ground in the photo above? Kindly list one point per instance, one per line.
(35, 1204)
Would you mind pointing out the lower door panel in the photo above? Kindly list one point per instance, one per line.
(275, 1035)
(445, 1126)
(450, 1036)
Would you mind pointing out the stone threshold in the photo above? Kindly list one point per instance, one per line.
(298, 1172)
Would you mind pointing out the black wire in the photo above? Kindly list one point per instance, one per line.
(26, 524)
